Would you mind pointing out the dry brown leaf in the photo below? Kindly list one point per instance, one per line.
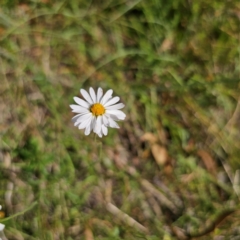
(168, 169)
(162, 136)
(6, 159)
(88, 234)
(160, 154)
(186, 178)
(208, 161)
(149, 137)
(166, 45)
(146, 153)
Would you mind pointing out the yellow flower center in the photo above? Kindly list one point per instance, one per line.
(97, 109)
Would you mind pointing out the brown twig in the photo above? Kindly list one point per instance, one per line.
(212, 225)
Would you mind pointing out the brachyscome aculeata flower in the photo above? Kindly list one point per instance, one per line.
(97, 112)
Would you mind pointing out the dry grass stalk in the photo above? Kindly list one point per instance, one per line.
(125, 218)
(162, 199)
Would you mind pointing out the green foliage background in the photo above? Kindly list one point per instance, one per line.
(175, 65)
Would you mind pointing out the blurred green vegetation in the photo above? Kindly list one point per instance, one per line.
(172, 170)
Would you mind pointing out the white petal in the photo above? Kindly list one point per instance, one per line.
(83, 118)
(75, 118)
(97, 129)
(79, 112)
(78, 109)
(104, 130)
(93, 95)
(118, 113)
(87, 130)
(86, 96)
(113, 117)
(2, 226)
(81, 102)
(99, 122)
(112, 123)
(85, 123)
(77, 122)
(98, 125)
(107, 95)
(93, 123)
(99, 94)
(100, 134)
(112, 101)
(115, 107)
(105, 120)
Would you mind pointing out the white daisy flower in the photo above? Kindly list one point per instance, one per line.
(97, 112)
